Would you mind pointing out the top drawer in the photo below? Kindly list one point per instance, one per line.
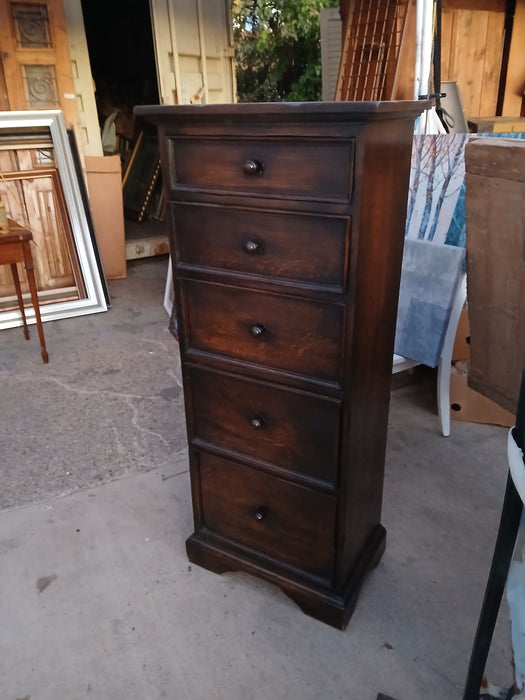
(295, 168)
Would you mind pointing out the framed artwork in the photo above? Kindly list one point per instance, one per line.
(87, 210)
(33, 143)
(141, 175)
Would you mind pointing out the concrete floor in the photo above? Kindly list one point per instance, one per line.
(97, 597)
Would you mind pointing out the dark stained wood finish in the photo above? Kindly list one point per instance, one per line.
(15, 248)
(286, 429)
(291, 523)
(272, 244)
(304, 337)
(285, 167)
(297, 333)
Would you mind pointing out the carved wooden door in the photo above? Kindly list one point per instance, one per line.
(35, 57)
(36, 70)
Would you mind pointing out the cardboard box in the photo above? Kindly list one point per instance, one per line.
(495, 224)
(465, 403)
(471, 406)
(461, 349)
(104, 184)
(496, 125)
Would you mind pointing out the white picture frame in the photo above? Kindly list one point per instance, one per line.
(95, 300)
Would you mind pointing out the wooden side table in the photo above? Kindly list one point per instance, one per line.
(15, 248)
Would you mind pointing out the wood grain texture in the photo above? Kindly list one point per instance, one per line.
(495, 219)
(471, 55)
(287, 355)
(304, 337)
(15, 57)
(274, 244)
(34, 195)
(288, 522)
(285, 429)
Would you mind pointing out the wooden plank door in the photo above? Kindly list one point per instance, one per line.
(35, 57)
(471, 54)
(88, 124)
(194, 51)
(331, 46)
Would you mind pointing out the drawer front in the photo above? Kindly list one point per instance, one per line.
(291, 523)
(287, 428)
(12, 252)
(283, 246)
(318, 169)
(285, 333)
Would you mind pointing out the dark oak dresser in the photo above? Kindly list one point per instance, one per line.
(286, 229)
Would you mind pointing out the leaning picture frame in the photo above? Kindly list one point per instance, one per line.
(141, 174)
(93, 298)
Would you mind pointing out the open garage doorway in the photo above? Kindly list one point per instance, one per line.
(121, 50)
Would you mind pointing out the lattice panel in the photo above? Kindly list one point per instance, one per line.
(371, 49)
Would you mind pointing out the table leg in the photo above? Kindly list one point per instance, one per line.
(34, 298)
(16, 280)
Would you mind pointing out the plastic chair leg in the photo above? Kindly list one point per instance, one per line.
(445, 362)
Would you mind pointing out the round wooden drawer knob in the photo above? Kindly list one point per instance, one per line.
(257, 422)
(253, 247)
(253, 167)
(258, 330)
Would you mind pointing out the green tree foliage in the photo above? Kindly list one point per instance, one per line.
(278, 49)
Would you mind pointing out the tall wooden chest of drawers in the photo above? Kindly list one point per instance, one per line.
(286, 230)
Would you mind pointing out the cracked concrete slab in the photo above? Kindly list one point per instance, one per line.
(108, 403)
(98, 599)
